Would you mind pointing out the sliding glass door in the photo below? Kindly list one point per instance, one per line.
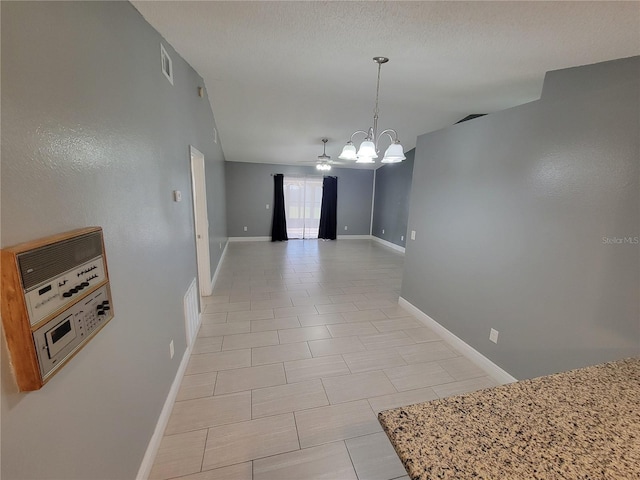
(302, 203)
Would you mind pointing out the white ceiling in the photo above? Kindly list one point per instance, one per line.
(282, 75)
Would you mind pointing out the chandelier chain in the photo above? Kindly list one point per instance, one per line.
(375, 111)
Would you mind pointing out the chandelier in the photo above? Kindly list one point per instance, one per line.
(368, 150)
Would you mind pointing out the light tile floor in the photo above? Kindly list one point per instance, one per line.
(301, 345)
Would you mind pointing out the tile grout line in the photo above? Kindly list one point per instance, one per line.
(353, 465)
(295, 422)
(204, 450)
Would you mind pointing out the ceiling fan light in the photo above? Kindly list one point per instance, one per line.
(365, 160)
(367, 149)
(394, 154)
(348, 152)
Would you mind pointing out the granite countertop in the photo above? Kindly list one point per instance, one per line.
(581, 424)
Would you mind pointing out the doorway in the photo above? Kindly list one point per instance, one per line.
(201, 221)
(302, 203)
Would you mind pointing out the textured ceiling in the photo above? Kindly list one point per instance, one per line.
(282, 75)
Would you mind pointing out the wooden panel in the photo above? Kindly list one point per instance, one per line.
(17, 331)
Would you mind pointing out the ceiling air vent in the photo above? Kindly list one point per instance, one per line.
(167, 65)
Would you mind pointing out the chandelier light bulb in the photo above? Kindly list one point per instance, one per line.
(365, 160)
(394, 153)
(367, 149)
(348, 152)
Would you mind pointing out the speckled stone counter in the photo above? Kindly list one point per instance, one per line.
(581, 424)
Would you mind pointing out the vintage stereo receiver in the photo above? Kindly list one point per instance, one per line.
(55, 298)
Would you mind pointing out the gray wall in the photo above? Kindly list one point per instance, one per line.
(94, 134)
(513, 212)
(391, 204)
(250, 189)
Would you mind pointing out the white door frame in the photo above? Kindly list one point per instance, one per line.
(201, 221)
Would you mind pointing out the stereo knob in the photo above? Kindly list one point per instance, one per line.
(85, 284)
(79, 287)
(66, 294)
(74, 290)
(100, 312)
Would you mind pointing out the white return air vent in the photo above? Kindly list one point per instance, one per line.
(167, 65)
(191, 314)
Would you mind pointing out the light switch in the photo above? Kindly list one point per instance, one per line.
(493, 335)
(413, 234)
(267, 206)
(177, 195)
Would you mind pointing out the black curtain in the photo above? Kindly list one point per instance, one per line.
(279, 225)
(329, 211)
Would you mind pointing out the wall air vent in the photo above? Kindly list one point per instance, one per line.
(167, 65)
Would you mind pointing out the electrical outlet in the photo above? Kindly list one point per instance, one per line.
(245, 229)
(413, 234)
(493, 335)
(177, 195)
(345, 227)
(171, 351)
(267, 206)
(383, 231)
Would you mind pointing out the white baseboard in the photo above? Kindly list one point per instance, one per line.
(268, 239)
(354, 237)
(215, 274)
(392, 246)
(156, 438)
(249, 239)
(500, 375)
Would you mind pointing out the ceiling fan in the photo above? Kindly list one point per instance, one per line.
(324, 162)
